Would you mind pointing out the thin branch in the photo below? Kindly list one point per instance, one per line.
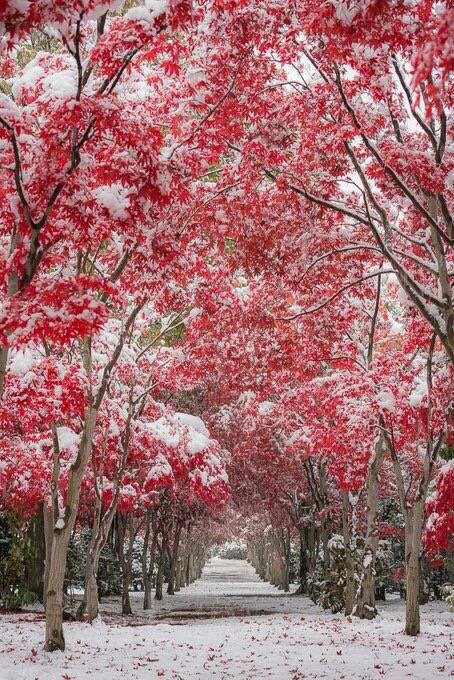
(374, 151)
(169, 328)
(209, 113)
(370, 349)
(335, 251)
(339, 292)
(414, 113)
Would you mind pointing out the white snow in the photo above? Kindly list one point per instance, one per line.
(67, 438)
(230, 626)
(162, 430)
(386, 400)
(418, 393)
(115, 198)
(197, 442)
(9, 110)
(160, 468)
(193, 422)
(27, 79)
(61, 84)
(148, 12)
(195, 76)
(100, 8)
(265, 407)
(22, 361)
(170, 429)
(20, 5)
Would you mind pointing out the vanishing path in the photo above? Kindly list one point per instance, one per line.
(226, 588)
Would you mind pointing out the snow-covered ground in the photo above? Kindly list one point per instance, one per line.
(228, 625)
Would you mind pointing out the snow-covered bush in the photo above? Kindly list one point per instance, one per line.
(448, 595)
(232, 550)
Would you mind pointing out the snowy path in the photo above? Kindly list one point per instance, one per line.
(217, 629)
(226, 588)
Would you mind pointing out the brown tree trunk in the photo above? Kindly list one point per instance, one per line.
(178, 574)
(302, 588)
(60, 540)
(149, 574)
(146, 584)
(126, 609)
(126, 536)
(413, 532)
(349, 555)
(54, 594)
(48, 520)
(4, 351)
(65, 524)
(286, 543)
(365, 595)
(147, 570)
(89, 608)
(188, 569)
(34, 568)
(160, 574)
(173, 556)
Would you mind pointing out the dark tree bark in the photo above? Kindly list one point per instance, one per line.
(34, 568)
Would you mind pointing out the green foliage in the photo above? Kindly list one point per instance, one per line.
(447, 452)
(158, 336)
(109, 577)
(15, 553)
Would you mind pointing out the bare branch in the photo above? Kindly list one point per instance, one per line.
(333, 252)
(414, 113)
(209, 113)
(339, 292)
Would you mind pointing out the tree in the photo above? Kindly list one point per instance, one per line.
(325, 107)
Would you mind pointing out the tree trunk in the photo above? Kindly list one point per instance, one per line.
(365, 595)
(126, 609)
(349, 594)
(60, 540)
(178, 574)
(4, 351)
(302, 588)
(54, 594)
(34, 569)
(48, 520)
(188, 569)
(311, 543)
(413, 532)
(287, 554)
(147, 571)
(173, 555)
(89, 609)
(160, 575)
(146, 585)
(171, 575)
(125, 531)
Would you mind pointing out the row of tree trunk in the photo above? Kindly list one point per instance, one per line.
(270, 554)
(168, 556)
